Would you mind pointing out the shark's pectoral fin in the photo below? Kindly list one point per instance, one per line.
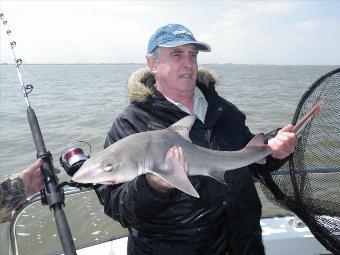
(173, 173)
(183, 126)
(217, 175)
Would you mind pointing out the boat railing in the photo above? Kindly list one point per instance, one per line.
(13, 249)
(29, 202)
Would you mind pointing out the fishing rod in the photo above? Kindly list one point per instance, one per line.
(52, 195)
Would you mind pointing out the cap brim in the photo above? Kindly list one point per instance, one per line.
(201, 46)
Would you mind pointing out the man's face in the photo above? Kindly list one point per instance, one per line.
(176, 69)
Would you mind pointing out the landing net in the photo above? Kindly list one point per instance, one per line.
(309, 183)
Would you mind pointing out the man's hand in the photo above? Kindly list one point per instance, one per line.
(31, 178)
(177, 154)
(284, 143)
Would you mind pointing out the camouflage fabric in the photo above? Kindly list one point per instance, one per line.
(12, 195)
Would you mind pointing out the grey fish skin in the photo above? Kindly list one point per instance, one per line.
(145, 153)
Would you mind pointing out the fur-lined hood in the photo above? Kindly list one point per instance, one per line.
(139, 87)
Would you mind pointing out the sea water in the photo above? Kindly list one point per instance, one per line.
(79, 102)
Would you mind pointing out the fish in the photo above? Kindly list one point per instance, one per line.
(145, 152)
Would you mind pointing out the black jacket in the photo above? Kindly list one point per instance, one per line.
(224, 218)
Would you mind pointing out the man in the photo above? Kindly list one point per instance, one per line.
(17, 188)
(164, 220)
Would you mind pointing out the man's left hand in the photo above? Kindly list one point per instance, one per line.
(284, 143)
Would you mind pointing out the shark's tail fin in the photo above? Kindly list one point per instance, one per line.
(256, 146)
(173, 173)
(257, 143)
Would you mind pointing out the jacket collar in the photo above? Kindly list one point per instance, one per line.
(140, 84)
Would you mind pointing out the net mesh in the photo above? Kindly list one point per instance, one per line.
(309, 183)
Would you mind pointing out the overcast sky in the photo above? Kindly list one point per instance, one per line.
(246, 32)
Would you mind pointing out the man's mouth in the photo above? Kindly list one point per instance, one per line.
(186, 75)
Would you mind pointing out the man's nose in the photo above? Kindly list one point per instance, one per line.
(189, 60)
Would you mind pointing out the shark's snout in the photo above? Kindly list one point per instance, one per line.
(83, 175)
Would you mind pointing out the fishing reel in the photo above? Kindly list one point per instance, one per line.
(74, 156)
(71, 159)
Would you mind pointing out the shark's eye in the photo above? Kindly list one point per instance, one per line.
(110, 167)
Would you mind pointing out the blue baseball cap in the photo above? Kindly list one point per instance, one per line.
(173, 35)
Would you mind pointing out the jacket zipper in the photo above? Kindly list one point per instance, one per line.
(208, 137)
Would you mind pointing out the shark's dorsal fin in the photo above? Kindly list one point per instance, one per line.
(183, 126)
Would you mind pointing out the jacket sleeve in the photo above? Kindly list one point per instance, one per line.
(12, 196)
(135, 202)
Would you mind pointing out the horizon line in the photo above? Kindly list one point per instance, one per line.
(136, 63)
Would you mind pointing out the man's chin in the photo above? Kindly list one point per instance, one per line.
(188, 83)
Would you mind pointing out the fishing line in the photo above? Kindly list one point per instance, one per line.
(26, 89)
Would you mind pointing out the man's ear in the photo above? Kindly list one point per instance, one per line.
(151, 61)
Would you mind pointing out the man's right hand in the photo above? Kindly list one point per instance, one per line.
(177, 154)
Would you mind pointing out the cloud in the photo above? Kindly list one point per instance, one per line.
(273, 33)
(279, 32)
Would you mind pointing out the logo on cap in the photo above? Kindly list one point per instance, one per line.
(182, 32)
